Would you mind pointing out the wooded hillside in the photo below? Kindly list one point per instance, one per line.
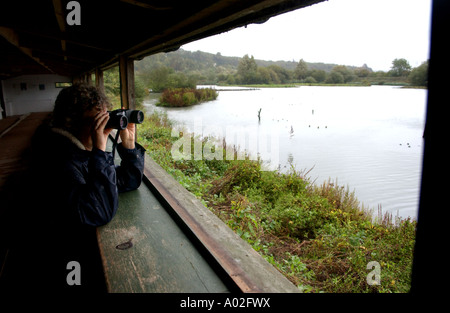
(208, 68)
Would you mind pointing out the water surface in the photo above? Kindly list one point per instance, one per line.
(369, 138)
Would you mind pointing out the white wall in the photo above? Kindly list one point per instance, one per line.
(34, 98)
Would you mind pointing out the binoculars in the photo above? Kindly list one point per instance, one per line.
(119, 119)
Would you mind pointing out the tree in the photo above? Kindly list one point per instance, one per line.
(419, 75)
(310, 80)
(159, 78)
(247, 70)
(342, 70)
(112, 88)
(400, 67)
(335, 78)
(319, 75)
(301, 71)
(362, 71)
(283, 75)
(263, 75)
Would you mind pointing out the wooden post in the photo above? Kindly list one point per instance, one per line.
(126, 70)
(88, 78)
(99, 82)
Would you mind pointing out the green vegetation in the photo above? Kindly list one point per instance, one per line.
(419, 75)
(318, 236)
(179, 97)
(184, 69)
(162, 78)
(112, 88)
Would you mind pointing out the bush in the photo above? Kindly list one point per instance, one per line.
(241, 175)
(189, 98)
(310, 80)
(179, 97)
(419, 75)
(300, 216)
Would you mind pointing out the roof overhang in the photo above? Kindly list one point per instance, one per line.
(36, 38)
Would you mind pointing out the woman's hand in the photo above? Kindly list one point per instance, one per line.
(99, 133)
(127, 136)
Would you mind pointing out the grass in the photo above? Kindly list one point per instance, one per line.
(318, 236)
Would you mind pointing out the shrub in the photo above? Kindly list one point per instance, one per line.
(178, 97)
(189, 98)
(243, 175)
(300, 216)
(310, 80)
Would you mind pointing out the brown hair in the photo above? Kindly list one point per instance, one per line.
(71, 104)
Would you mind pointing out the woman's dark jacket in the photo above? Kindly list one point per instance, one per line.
(87, 182)
(68, 192)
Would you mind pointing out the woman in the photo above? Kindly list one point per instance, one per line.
(74, 146)
(73, 188)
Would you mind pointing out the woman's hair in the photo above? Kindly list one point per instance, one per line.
(71, 104)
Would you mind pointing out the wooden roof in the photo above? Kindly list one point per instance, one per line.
(35, 37)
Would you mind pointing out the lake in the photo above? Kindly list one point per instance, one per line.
(366, 138)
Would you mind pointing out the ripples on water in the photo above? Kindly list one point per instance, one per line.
(369, 138)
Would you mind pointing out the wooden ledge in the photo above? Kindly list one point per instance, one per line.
(143, 250)
(248, 269)
(163, 239)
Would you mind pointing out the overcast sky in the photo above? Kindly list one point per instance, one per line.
(348, 32)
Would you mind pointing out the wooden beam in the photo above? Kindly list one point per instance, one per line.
(89, 78)
(126, 71)
(64, 37)
(148, 5)
(59, 13)
(46, 51)
(99, 82)
(13, 38)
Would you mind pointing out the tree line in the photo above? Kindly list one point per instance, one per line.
(401, 72)
(185, 69)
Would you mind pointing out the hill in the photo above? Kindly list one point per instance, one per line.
(198, 61)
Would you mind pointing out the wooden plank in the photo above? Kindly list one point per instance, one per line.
(60, 15)
(10, 35)
(89, 78)
(160, 257)
(126, 71)
(149, 5)
(99, 81)
(7, 122)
